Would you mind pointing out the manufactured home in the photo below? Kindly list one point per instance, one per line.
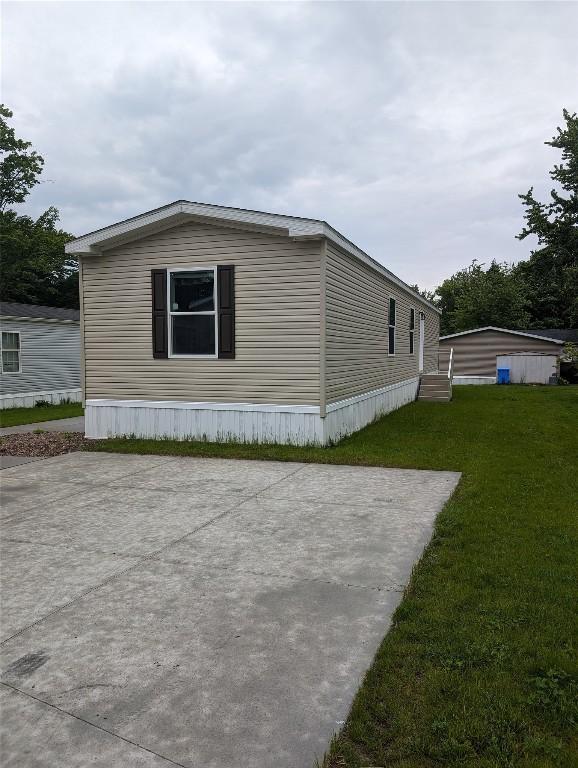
(40, 355)
(475, 352)
(205, 322)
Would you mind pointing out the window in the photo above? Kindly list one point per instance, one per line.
(391, 339)
(10, 352)
(192, 312)
(411, 330)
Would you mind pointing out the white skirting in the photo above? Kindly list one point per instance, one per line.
(474, 380)
(243, 422)
(29, 399)
(347, 416)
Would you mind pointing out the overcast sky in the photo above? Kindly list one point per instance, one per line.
(411, 128)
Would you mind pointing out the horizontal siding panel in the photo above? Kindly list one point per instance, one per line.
(357, 303)
(50, 357)
(277, 319)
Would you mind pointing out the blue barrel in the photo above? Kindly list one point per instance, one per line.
(503, 375)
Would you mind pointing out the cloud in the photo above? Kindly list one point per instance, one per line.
(410, 127)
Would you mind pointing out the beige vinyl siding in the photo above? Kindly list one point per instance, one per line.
(475, 353)
(277, 288)
(357, 303)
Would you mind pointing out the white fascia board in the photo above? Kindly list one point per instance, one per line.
(178, 212)
(501, 330)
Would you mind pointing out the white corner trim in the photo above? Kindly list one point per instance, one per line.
(501, 330)
(181, 210)
(199, 406)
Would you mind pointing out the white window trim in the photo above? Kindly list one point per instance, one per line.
(195, 268)
(389, 325)
(412, 332)
(8, 373)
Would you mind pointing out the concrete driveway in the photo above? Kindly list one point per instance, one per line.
(196, 612)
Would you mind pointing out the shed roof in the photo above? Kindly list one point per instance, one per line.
(36, 311)
(529, 334)
(182, 211)
(562, 334)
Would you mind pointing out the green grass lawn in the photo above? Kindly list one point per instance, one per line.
(480, 667)
(11, 417)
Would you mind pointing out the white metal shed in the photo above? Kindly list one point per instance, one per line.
(529, 367)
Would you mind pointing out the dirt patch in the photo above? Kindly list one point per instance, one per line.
(41, 443)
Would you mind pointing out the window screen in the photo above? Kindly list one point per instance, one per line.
(192, 312)
(10, 352)
(392, 318)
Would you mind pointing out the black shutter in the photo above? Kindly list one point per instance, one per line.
(159, 307)
(226, 310)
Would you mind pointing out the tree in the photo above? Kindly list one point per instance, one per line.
(475, 297)
(551, 273)
(20, 166)
(35, 269)
(424, 293)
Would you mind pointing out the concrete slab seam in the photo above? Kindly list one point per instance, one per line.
(71, 547)
(391, 586)
(142, 558)
(92, 725)
(73, 483)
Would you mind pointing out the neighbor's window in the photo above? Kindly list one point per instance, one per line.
(391, 340)
(10, 352)
(411, 330)
(192, 313)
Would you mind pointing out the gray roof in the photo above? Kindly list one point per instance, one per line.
(563, 334)
(10, 309)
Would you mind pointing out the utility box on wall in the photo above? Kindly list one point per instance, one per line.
(530, 367)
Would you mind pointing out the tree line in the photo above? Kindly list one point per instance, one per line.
(541, 292)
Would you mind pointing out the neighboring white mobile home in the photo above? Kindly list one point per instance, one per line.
(40, 354)
(206, 322)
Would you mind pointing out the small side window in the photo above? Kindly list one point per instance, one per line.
(392, 320)
(10, 352)
(411, 330)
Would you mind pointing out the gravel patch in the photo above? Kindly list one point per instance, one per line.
(41, 443)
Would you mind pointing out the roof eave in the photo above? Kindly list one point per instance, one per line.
(165, 218)
(501, 330)
(180, 211)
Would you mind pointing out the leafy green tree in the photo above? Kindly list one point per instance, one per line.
(551, 273)
(35, 269)
(427, 295)
(475, 297)
(20, 166)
